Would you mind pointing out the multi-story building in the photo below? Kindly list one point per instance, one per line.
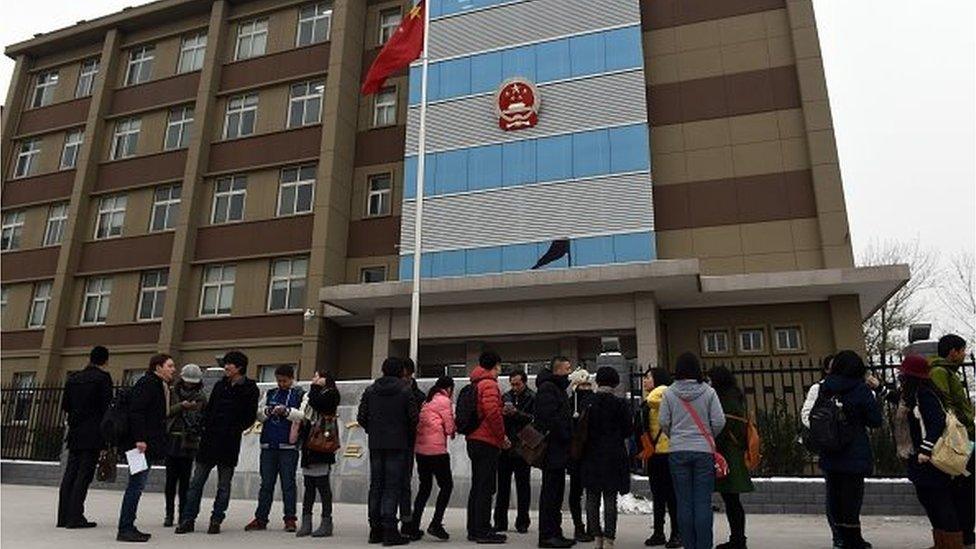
(192, 176)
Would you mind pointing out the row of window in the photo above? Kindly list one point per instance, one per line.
(13, 227)
(46, 83)
(549, 61)
(751, 340)
(558, 158)
(304, 108)
(596, 250)
(286, 292)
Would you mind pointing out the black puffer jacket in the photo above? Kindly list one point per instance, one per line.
(319, 401)
(388, 414)
(86, 398)
(554, 415)
(231, 409)
(605, 464)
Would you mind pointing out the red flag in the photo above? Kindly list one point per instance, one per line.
(400, 50)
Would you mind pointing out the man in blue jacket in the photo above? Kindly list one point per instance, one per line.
(279, 454)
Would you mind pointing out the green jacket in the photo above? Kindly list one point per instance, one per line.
(732, 443)
(945, 376)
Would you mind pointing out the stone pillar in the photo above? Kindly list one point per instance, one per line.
(13, 106)
(381, 340)
(569, 348)
(472, 351)
(647, 328)
(845, 322)
(76, 228)
(194, 193)
(333, 190)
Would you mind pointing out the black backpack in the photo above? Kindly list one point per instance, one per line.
(466, 411)
(831, 429)
(115, 422)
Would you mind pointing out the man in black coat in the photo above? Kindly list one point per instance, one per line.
(148, 406)
(231, 410)
(388, 414)
(409, 528)
(553, 415)
(86, 398)
(518, 408)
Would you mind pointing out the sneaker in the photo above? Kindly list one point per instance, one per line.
(437, 530)
(214, 527)
(133, 536)
(255, 524)
(655, 540)
(392, 537)
(490, 538)
(674, 542)
(291, 524)
(410, 531)
(185, 527)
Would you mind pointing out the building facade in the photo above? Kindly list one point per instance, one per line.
(192, 176)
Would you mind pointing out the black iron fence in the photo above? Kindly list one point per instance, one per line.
(32, 423)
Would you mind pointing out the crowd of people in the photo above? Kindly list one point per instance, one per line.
(691, 430)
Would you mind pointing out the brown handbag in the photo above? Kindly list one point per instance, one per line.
(324, 436)
(106, 471)
(531, 445)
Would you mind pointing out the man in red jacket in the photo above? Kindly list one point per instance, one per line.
(484, 444)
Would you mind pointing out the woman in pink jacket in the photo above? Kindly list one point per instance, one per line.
(433, 461)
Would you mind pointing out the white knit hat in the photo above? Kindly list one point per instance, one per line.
(579, 377)
(191, 373)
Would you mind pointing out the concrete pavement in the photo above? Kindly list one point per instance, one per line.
(27, 516)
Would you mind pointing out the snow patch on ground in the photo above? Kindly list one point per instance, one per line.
(633, 504)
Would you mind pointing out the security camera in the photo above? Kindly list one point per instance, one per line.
(309, 314)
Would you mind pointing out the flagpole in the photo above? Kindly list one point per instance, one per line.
(418, 217)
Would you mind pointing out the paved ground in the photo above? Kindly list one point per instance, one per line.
(27, 522)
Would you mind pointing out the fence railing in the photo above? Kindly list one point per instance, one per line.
(32, 423)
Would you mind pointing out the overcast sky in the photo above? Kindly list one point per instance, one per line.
(902, 81)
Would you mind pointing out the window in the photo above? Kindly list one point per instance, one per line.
(241, 114)
(26, 161)
(378, 197)
(140, 65)
(39, 304)
(217, 297)
(152, 295)
(13, 226)
(287, 289)
(126, 138)
(715, 342)
(23, 382)
(57, 217)
(86, 78)
(44, 88)
(229, 197)
(72, 144)
(384, 107)
(752, 340)
(4, 295)
(368, 275)
(305, 105)
(266, 372)
(131, 376)
(178, 127)
(789, 339)
(389, 21)
(111, 216)
(191, 52)
(98, 291)
(166, 208)
(252, 39)
(295, 194)
(314, 23)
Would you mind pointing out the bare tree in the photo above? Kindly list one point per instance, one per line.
(957, 293)
(885, 332)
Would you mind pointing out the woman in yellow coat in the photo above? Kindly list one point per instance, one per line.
(656, 381)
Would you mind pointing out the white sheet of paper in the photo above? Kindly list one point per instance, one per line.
(136, 460)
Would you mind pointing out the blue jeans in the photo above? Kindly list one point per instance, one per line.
(201, 471)
(693, 474)
(130, 501)
(274, 464)
(386, 471)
